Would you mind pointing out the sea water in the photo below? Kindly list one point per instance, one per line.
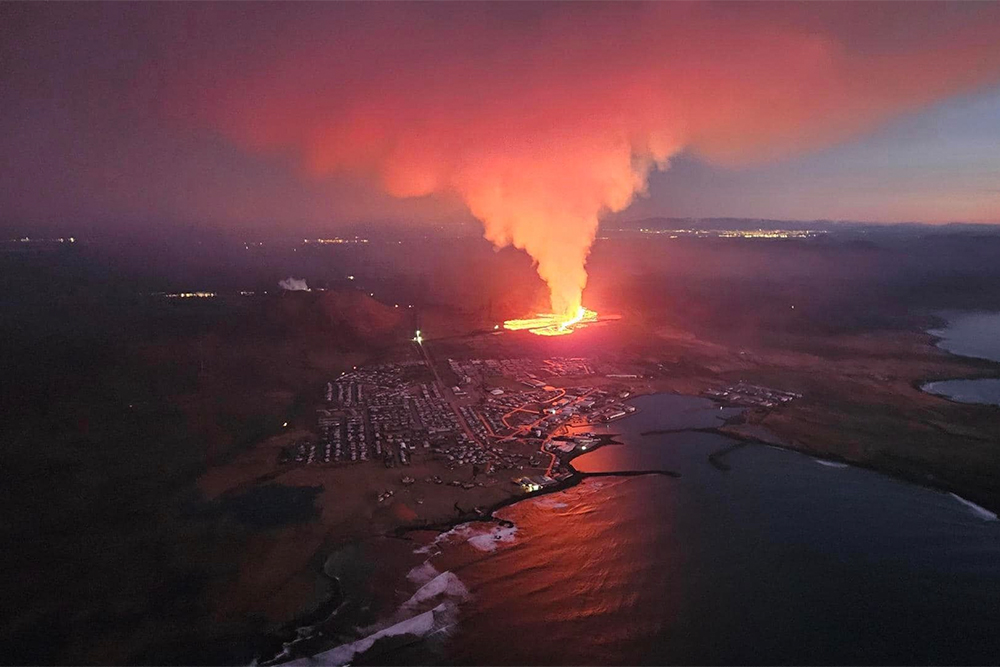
(778, 559)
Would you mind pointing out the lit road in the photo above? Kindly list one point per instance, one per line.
(553, 459)
(548, 438)
(422, 346)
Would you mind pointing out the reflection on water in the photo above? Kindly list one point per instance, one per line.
(777, 560)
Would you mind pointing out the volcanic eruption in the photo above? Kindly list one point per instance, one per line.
(553, 324)
(540, 119)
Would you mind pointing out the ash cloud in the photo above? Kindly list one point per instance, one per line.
(541, 118)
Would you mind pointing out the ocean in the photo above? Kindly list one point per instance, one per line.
(970, 335)
(775, 558)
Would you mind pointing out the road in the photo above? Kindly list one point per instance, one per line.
(541, 448)
(445, 391)
(553, 459)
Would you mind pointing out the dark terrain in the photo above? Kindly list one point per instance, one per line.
(116, 400)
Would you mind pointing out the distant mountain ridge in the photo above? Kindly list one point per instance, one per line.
(830, 226)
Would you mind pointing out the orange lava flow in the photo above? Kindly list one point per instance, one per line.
(550, 324)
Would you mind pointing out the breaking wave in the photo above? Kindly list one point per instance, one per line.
(446, 585)
(489, 541)
(418, 626)
(831, 464)
(422, 573)
(439, 597)
(486, 538)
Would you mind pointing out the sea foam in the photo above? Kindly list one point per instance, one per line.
(486, 538)
(551, 502)
(422, 573)
(445, 585)
(490, 540)
(444, 591)
(418, 626)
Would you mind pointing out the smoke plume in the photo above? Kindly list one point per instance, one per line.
(541, 118)
(294, 284)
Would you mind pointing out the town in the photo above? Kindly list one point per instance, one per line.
(750, 395)
(523, 419)
(497, 415)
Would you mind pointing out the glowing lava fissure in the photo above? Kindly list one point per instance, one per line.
(550, 324)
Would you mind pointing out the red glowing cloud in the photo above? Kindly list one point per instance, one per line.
(541, 118)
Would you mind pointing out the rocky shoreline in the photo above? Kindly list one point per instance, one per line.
(304, 636)
(303, 643)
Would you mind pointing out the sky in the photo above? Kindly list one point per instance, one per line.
(324, 115)
(937, 165)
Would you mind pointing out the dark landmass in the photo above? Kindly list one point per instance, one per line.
(141, 432)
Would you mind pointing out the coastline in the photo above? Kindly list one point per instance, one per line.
(991, 370)
(730, 429)
(298, 634)
(489, 514)
(935, 388)
(296, 631)
(743, 433)
(924, 480)
(942, 317)
(885, 462)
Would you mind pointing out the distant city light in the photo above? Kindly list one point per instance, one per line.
(28, 239)
(337, 240)
(191, 295)
(737, 233)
